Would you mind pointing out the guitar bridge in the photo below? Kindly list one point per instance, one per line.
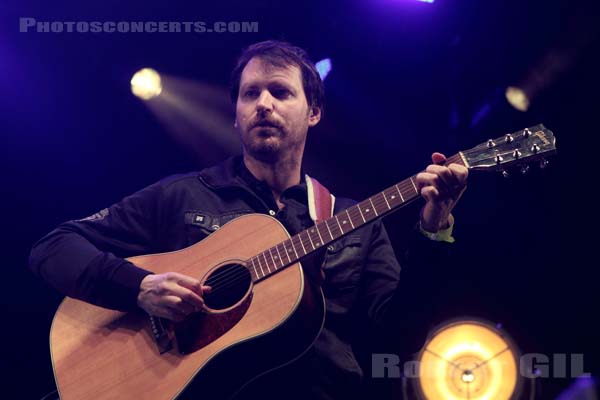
(161, 331)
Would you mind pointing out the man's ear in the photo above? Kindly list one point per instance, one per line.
(235, 124)
(314, 116)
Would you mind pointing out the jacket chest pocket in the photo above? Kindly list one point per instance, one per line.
(199, 224)
(343, 266)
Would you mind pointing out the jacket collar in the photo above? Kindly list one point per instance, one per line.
(232, 173)
(224, 174)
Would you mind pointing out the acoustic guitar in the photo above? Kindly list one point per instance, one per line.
(261, 314)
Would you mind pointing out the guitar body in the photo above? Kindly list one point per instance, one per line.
(105, 354)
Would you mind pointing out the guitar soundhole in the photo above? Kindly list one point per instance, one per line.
(229, 284)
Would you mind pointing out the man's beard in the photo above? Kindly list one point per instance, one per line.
(268, 141)
(261, 147)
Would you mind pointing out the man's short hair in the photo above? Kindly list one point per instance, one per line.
(282, 54)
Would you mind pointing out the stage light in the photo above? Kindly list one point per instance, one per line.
(146, 84)
(517, 98)
(199, 117)
(468, 359)
(577, 36)
(323, 67)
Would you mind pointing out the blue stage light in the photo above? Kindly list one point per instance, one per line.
(323, 67)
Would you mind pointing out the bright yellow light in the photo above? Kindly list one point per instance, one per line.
(468, 360)
(146, 84)
(517, 98)
(468, 377)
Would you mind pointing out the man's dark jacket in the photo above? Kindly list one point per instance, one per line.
(84, 259)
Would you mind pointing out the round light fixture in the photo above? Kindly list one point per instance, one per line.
(468, 359)
(146, 84)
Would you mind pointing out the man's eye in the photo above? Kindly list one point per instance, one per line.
(281, 93)
(250, 93)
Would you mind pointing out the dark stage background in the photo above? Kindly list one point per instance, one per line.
(408, 78)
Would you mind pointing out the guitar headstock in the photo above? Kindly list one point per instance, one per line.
(517, 148)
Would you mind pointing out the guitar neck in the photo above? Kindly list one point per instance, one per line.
(324, 232)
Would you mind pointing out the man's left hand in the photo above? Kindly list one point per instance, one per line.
(441, 187)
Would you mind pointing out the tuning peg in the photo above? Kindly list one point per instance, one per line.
(490, 143)
(544, 163)
(535, 149)
(526, 133)
(524, 169)
(508, 138)
(505, 174)
(498, 159)
(516, 154)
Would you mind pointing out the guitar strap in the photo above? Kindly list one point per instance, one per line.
(320, 200)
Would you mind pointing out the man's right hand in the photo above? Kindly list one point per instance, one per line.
(171, 295)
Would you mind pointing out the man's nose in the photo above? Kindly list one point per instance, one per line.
(264, 103)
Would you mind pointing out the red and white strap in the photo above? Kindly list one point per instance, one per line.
(320, 201)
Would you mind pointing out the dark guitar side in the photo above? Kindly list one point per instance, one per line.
(237, 369)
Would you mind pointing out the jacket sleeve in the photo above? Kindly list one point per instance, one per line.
(84, 259)
(380, 289)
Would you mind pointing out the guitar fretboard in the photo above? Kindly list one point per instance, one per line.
(324, 232)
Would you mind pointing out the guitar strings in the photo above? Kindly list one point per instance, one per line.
(215, 281)
(223, 279)
(378, 204)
